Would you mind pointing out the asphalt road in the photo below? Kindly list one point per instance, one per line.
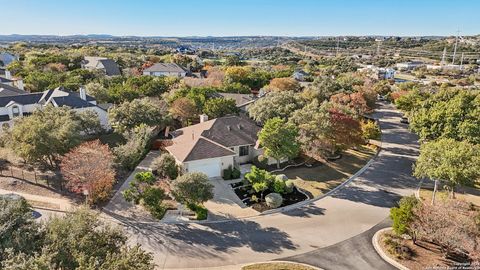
(332, 233)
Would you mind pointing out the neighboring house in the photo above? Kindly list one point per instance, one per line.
(410, 65)
(108, 66)
(300, 75)
(243, 101)
(8, 90)
(23, 104)
(214, 145)
(185, 50)
(165, 69)
(7, 58)
(6, 78)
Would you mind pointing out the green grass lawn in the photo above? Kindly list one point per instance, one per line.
(321, 179)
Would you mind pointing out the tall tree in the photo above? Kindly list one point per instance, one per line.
(218, 107)
(184, 110)
(279, 139)
(89, 167)
(275, 104)
(131, 114)
(457, 163)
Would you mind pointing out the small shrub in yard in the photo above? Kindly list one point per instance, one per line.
(236, 173)
(192, 188)
(370, 130)
(279, 186)
(273, 200)
(152, 199)
(165, 166)
(289, 185)
(254, 198)
(145, 177)
(403, 215)
(396, 248)
(227, 173)
(200, 211)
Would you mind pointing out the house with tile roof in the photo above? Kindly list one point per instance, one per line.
(166, 69)
(214, 145)
(14, 104)
(108, 66)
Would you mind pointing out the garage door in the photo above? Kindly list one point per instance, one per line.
(209, 167)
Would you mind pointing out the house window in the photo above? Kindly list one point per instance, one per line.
(243, 150)
(15, 111)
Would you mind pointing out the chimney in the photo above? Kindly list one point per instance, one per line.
(83, 93)
(203, 118)
(19, 84)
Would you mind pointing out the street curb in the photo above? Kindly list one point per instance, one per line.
(286, 262)
(385, 257)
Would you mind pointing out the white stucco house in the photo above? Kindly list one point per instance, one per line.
(214, 145)
(15, 104)
(166, 69)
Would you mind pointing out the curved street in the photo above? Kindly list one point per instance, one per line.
(331, 233)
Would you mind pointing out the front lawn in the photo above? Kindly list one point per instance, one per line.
(320, 179)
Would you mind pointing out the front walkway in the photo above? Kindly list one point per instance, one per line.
(225, 203)
(119, 207)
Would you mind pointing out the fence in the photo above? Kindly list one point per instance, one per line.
(44, 179)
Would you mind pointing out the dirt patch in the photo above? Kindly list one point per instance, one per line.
(14, 184)
(424, 255)
(468, 194)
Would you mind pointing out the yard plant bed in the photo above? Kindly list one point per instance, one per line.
(246, 192)
(277, 266)
(424, 255)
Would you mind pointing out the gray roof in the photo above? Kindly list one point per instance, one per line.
(5, 80)
(240, 99)
(111, 67)
(7, 90)
(232, 131)
(61, 97)
(204, 149)
(165, 67)
(29, 98)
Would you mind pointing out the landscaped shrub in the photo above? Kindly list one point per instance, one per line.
(145, 177)
(236, 173)
(273, 200)
(193, 188)
(403, 215)
(370, 130)
(260, 161)
(279, 186)
(289, 185)
(227, 173)
(152, 199)
(201, 213)
(165, 166)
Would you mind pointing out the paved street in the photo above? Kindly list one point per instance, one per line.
(338, 224)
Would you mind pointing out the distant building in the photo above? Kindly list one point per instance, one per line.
(379, 73)
(410, 65)
(108, 66)
(185, 50)
(6, 78)
(166, 69)
(7, 58)
(9, 90)
(15, 104)
(242, 101)
(300, 75)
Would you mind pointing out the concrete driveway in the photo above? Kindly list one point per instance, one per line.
(349, 212)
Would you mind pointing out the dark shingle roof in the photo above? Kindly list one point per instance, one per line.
(7, 90)
(232, 131)
(72, 101)
(111, 68)
(204, 149)
(30, 98)
(5, 80)
(165, 67)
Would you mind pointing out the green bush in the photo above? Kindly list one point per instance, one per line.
(200, 211)
(402, 215)
(279, 186)
(227, 173)
(193, 188)
(145, 177)
(370, 130)
(128, 155)
(236, 173)
(289, 185)
(273, 200)
(152, 199)
(165, 166)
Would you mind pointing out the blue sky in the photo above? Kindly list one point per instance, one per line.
(240, 17)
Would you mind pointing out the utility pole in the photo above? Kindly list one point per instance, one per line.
(443, 56)
(455, 48)
(461, 62)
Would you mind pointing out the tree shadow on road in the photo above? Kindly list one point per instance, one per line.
(207, 240)
(306, 211)
(373, 196)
